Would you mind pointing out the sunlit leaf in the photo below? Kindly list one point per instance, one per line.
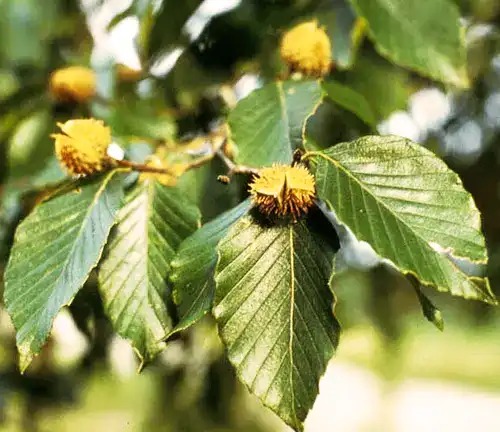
(136, 265)
(274, 311)
(423, 35)
(431, 312)
(268, 125)
(413, 210)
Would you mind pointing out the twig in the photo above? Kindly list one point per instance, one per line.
(217, 149)
(159, 170)
(200, 161)
(143, 167)
(234, 168)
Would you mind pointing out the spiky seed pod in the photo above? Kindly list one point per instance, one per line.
(73, 84)
(306, 48)
(83, 145)
(283, 190)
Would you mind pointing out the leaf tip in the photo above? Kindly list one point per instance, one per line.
(438, 320)
(26, 356)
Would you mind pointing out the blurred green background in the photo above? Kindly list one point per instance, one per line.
(394, 371)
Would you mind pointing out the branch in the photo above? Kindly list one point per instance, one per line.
(143, 167)
(234, 168)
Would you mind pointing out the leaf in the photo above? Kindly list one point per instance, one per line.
(142, 119)
(268, 125)
(344, 29)
(194, 266)
(133, 274)
(55, 248)
(431, 312)
(166, 32)
(274, 312)
(411, 208)
(121, 16)
(350, 100)
(26, 31)
(10, 211)
(30, 146)
(385, 86)
(423, 35)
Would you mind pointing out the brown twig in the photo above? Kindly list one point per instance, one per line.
(234, 168)
(159, 170)
(217, 149)
(143, 167)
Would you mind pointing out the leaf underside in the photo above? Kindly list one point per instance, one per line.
(274, 312)
(55, 249)
(136, 264)
(409, 206)
(268, 125)
(194, 266)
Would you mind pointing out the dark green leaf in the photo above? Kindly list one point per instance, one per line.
(385, 86)
(142, 119)
(274, 312)
(133, 274)
(121, 16)
(166, 32)
(413, 210)
(55, 248)
(431, 312)
(10, 211)
(350, 100)
(30, 146)
(423, 35)
(345, 31)
(268, 125)
(194, 266)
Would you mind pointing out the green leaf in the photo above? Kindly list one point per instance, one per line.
(10, 211)
(351, 100)
(431, 312)
(412, 209)
(344, 29)
(55, 248)
(194, 266)
(26, 31)
(30, 146)
(385, 87)
(268, 125)
(274, 311)
(166, 32)
(141, 119)
(134, 271)
(423, 35)
(121, 16)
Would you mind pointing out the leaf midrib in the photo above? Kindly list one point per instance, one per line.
(151, 194)
(349, 174)
(407, 24)
(94, 202)
(292, 307)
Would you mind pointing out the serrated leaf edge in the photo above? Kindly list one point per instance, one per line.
(26, 356)
(491, 299)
